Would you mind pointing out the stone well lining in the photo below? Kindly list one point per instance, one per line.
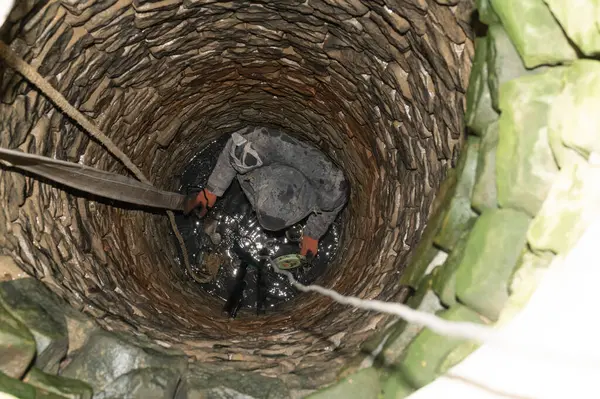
(380, 88)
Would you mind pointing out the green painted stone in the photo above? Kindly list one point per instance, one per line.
(428, 351)
(148, 383)
(525, 164)
(395, 387)
(487, 15)
(65, 387)
(485, 193)
(444, 283)
(579, 20)
(21, 390)
(39, 309)
(480, 112)
(402, 333)
(460, 216)
(17, 345)
(572, 204)
(503, 61)
(203, 381)
(364, 384)
(534, 32)
(493, 249)
(107, 356)
(574, 115)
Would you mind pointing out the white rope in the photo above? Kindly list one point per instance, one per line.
(455, 329)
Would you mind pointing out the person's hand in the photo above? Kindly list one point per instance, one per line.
(309, 246)
(204, 198)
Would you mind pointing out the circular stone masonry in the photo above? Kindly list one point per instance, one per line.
(379, 86)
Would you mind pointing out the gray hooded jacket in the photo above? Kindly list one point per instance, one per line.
(284, 179)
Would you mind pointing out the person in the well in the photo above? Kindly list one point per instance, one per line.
(284, 179)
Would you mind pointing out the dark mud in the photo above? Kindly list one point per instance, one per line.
(230, 232)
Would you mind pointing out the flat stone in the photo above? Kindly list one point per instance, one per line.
(65, 387)
(147, 383)
(9, 270)
(503, 61)
(535, 32)
(493, 249)
(352, 7)
(204, 381)
(40, 310)
(427, 353)
(525, 164)
(571, 205)
(107, 356)
(444, 283)
(573, 115)
(480, 112)
(363, 384)
(17, 345)
(485, 195)
(487, 15)
(460, 216)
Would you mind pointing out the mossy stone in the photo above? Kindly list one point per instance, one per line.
(492, 251)
(395, 387)
(205, 381)
(364, 384)
(460, 217)
(402, 333)
(65, 387)
(444, 283)
(106, 356)
(147, 383)
(579, 19)
(574, 115)
(40, 310)
(534, 31)
(523, 282)
(480, 112)
(425, 251)
(525, 164)
(17, 345)
(457, 355)
(425, 357)
(503, 61)
(21, 390)
(571, 205)
(487, 15)
(485, 193)
(16, 388)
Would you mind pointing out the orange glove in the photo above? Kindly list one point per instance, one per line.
(309, 245)
(204, 198)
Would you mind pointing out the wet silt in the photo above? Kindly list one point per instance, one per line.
(232, 223)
